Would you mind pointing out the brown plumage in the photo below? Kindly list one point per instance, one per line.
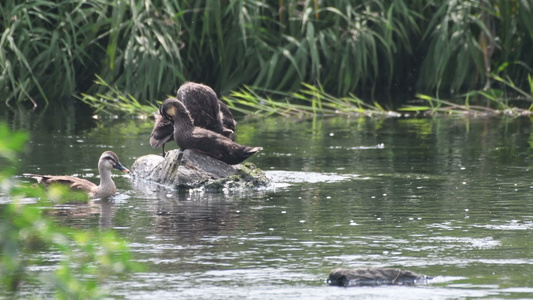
(162, 133)
(227, 120)
(206, 110)
(108, 161)
(204, 107)
(189, 136)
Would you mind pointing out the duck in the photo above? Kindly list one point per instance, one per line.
(206, 110)
(107, 162)
(189, 136)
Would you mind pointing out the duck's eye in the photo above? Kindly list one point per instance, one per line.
(110, 159)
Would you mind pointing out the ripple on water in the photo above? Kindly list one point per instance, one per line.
(510, 225)
(308, 177)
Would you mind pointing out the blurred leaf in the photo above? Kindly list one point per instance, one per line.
(11, 143)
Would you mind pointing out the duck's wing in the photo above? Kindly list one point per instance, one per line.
(227, 117)
(163, 132)
(71, 181)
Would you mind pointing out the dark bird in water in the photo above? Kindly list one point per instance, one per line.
(108, 161)
(206, 110)
(189, 136)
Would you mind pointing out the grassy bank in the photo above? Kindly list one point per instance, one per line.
(310, 101)
(51, 50)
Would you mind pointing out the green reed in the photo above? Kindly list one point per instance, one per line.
(50, 50)
(308, 101)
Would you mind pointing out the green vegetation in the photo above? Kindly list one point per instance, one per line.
(306, 102)
(115, 101)
(87, 258)
(50, 50)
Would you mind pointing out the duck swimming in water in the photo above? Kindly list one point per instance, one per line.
(206, 110)
(108, 161)
(189, 136)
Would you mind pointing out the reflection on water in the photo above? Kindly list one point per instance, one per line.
(449, 198)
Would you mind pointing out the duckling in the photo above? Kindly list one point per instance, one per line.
(189, 136)
(206, 109)
(108, 161)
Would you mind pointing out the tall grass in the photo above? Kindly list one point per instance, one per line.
(50, 50)
(44, 47)
(467, 40)
(53, 49)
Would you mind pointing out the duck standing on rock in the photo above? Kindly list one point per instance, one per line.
(189, 136)
(206, 110)
(108, 161)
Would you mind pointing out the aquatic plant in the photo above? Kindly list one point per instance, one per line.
(310, 101)
(115, 101)
(507, 99)
(306, 102)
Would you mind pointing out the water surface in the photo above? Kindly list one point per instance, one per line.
(450, 198)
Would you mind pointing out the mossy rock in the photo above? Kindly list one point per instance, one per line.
(189, 169)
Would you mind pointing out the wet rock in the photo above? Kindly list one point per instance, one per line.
(189, 169)
(374, 276)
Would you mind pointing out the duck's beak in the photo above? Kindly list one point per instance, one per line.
(120, 167)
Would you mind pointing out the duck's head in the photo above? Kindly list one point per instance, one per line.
(109, 160)
(168, 109)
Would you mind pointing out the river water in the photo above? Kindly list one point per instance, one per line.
(446, 197)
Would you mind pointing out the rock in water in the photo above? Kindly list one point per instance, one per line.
(374, 276)
(188, 169)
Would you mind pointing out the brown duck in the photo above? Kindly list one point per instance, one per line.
(206, 110)
(189, 136)
(108, 161)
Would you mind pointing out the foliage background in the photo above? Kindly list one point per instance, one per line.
(51, 50)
